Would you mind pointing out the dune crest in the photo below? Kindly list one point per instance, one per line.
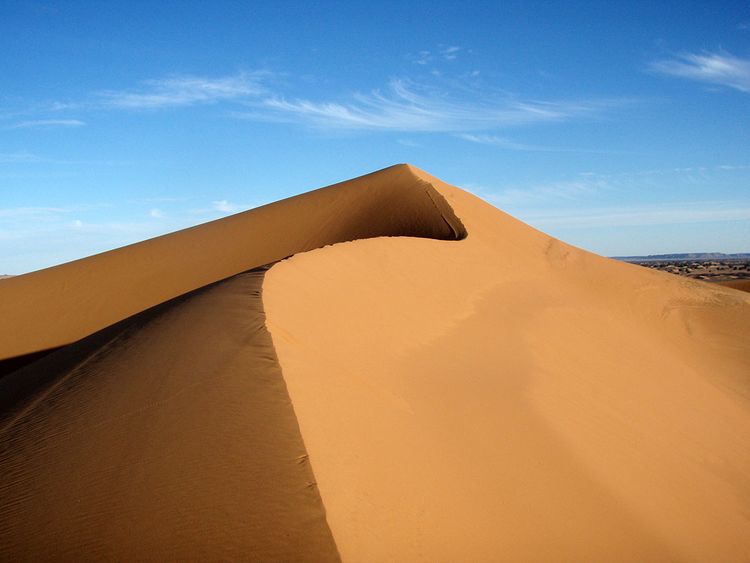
(87, 295)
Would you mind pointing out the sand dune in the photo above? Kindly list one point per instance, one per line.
(463, 389)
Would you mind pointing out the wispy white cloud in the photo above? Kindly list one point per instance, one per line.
(721, 68)
(405, 106)
(436, 105)
(697, 172)
(580, 203)
(664, 214)
(408, 143)
(18, 157)
(225, 206)
(40, 236)
(509, 144)
(734, 167)
(588, 186)
(31, 212)
(550, 193)
(46, 123)
(186, 91)
(160, 199)
(450, 53)
(423, 57)
(23, 157)
(501, 142)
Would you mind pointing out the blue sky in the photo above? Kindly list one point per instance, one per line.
(623, 128)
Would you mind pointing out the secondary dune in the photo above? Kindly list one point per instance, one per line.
(444, 383)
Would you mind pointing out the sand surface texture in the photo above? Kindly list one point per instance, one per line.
(508, 396)
(464, 388)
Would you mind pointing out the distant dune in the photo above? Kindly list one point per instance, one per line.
(742, 285)
(686, 257)
(385, 369)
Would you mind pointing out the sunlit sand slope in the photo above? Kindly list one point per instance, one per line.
(509, 397)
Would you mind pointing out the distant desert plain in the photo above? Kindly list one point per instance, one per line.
(387, 369)
(727, 270)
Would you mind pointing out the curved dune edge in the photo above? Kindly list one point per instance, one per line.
(511, 397)
(50, 308)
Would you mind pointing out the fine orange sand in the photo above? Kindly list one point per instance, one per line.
(464, 388)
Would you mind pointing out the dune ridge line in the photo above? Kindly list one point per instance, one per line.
(56, 306)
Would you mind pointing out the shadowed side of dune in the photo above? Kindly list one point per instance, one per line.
(56, 306)
(10, 365)
(167, 436)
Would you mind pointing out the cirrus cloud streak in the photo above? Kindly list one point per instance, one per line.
(723, 69)
(407, 107)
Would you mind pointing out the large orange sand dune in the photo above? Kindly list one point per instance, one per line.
(460, 387)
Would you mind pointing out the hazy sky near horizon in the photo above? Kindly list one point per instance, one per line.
(623, 128)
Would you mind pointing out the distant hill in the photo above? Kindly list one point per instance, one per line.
(686, 256)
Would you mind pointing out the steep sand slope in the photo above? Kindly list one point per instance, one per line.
(81, 297)
(169, 437)
(509, 397)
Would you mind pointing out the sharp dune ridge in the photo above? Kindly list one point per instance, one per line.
(79, 295)
(386, 369)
